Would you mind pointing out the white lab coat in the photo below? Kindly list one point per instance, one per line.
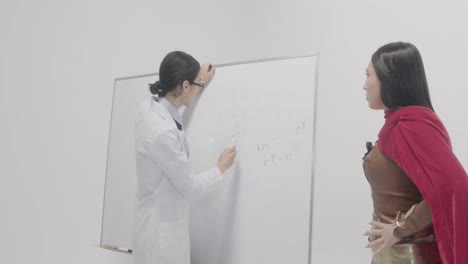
(164, 185)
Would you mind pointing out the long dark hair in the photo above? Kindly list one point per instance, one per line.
(400, 69)
(175, 68)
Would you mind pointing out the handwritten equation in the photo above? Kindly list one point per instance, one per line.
(274, 159)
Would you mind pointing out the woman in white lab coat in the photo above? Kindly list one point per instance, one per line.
(164, 178)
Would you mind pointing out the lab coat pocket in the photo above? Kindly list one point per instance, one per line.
(174, 242)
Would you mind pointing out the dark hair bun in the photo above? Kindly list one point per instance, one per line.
(156, 88)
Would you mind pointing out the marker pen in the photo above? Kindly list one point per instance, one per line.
(112, 247)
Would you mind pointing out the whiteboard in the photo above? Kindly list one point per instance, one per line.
(262, 211)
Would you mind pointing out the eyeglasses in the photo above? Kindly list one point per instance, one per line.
(201, 85)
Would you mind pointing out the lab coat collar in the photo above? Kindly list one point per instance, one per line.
(175, 114)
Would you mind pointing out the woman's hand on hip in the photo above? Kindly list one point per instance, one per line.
(385, 233)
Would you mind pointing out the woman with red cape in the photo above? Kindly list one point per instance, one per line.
(419, 188)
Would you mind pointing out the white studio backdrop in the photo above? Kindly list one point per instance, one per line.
(59, 60)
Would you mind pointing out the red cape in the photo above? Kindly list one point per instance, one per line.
(415, 139)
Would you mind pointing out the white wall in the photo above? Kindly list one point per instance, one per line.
(348, 33)
(59, 59)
